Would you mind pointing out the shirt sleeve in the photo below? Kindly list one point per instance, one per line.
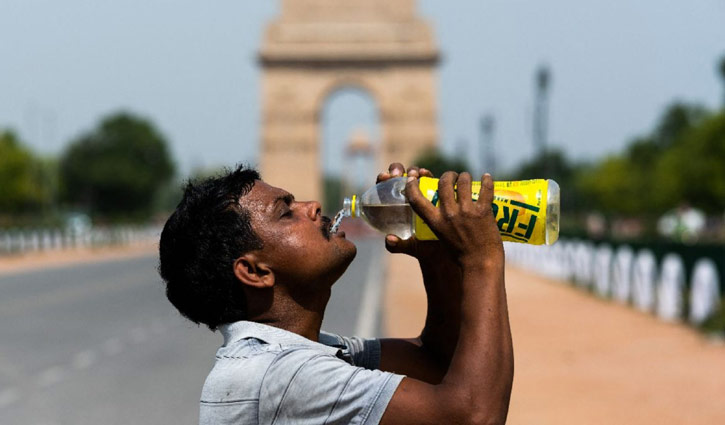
(364, 352)
(303, 386)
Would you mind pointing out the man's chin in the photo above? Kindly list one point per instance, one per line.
(345, 253)
(340, 240)
(349, 248)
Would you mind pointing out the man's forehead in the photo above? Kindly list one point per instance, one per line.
(263, 195)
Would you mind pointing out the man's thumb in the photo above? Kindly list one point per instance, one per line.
(396, 245)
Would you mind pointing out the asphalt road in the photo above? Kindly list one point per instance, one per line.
(99, 344)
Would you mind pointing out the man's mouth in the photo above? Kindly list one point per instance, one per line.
(326, 224)
(326, 229)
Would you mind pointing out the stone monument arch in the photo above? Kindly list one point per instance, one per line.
(315, 47)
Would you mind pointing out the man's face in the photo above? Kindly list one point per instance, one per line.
(296, 237)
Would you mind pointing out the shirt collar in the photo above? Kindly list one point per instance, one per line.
(236, 331)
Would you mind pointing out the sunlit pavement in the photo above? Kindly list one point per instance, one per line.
(97, 343)
(582, 360)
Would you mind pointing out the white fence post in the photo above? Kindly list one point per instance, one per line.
(627, 276)
(704, 291)
(644, 276)
(584, 264)
(622, 274)
(670, 287)
(603, 270)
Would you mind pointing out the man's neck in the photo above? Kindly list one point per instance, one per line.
(303, 318)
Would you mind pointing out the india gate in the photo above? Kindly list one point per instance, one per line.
(316, 47)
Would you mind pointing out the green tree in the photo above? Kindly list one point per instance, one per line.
(635, 182)
(616, 187)
(438, 163)
(643, 151)
(116, 170)
(694, 170)
(676, 121)
(551, 165)
(21, 177)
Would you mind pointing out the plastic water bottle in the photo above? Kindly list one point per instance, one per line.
(526, 211)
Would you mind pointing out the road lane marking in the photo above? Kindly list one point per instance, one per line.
(370, 304)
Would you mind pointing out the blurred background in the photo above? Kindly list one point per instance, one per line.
(108, 108)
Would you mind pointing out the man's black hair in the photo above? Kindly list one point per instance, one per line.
(200, 242)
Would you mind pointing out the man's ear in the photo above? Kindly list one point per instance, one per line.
(253, 272)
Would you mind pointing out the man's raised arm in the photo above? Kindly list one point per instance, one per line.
(427, 356)
(477, 384)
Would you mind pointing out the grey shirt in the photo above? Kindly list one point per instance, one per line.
(266, 375)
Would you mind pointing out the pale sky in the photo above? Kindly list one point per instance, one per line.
(190, 67)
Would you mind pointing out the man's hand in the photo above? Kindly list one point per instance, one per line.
(466, 227)
(422, 250)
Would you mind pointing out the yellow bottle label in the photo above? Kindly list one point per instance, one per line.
(519, 208)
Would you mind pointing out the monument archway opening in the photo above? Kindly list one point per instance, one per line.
(350, 132)
(318, 46)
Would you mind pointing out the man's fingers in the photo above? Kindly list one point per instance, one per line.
(464, 190)
(424, 172)
(446, 192)
(396, 245)
(420, 205)
(396, 169)
(485, 198)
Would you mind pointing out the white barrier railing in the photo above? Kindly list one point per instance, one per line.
(16, 241)
(628, 276)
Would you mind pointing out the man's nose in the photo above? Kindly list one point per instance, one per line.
(314, 210)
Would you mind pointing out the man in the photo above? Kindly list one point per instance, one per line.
(250, 260)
